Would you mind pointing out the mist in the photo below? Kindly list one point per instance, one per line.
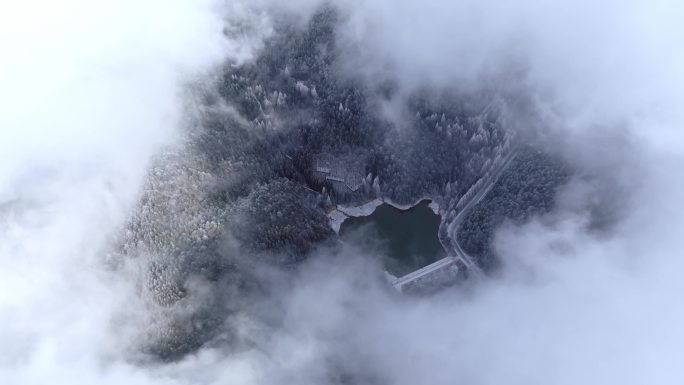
(93, 94)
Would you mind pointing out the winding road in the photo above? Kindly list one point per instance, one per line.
(452, 228)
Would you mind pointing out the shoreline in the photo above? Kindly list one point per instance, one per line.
(341, 213)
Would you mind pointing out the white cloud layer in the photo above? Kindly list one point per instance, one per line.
(90, 90)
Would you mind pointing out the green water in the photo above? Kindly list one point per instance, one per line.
(406, 240)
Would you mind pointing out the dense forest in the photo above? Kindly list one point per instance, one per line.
(304, 107)
(278, 142)
(526, 188)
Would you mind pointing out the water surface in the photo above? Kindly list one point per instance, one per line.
(406, 239)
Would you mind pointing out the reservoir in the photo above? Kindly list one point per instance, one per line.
(406, 239)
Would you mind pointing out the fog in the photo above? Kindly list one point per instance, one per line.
(93, 91)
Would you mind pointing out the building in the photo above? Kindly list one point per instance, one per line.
(345, 173)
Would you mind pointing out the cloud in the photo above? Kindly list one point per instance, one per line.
(91, 91)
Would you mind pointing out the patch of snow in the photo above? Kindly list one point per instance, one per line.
(336, 219)
(434, 206)
(364, 210)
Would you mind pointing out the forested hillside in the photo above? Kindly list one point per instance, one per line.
(278, 142)
(526, 188)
